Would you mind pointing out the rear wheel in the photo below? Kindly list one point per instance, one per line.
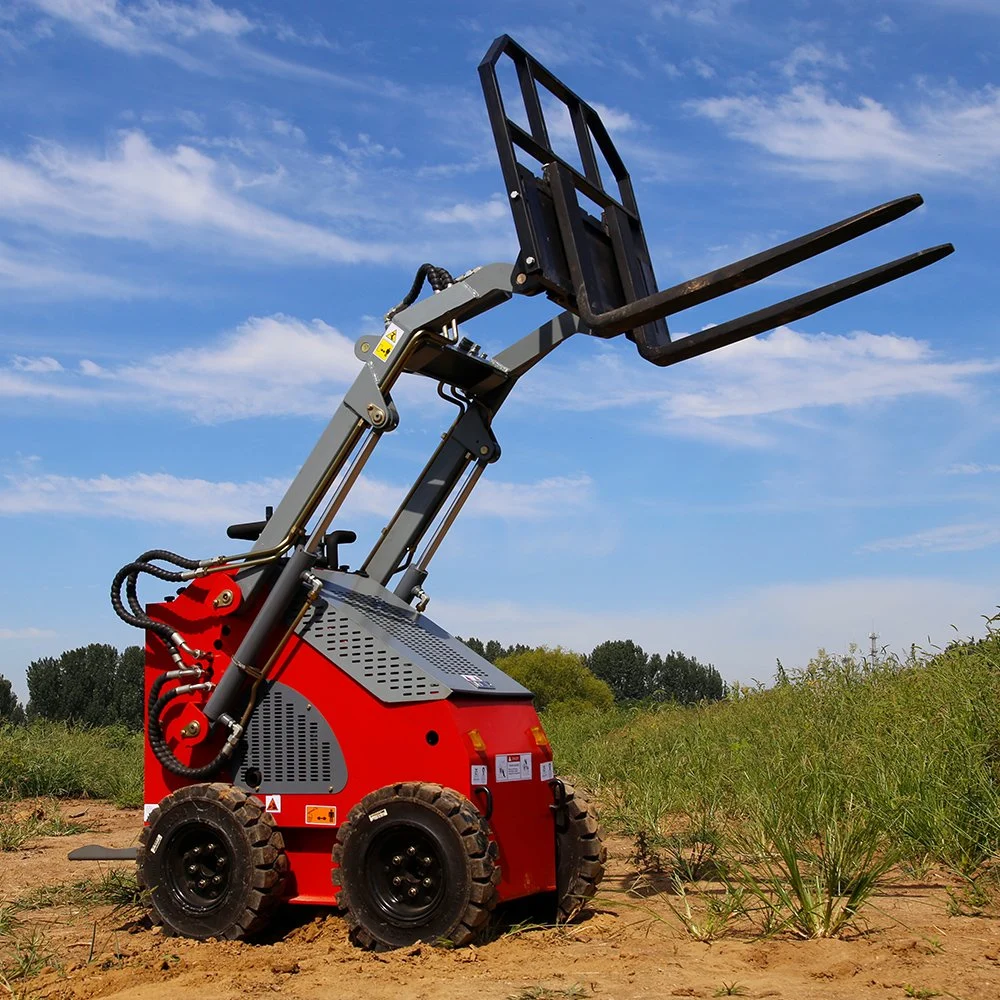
(415, 863)
(580, 854)
(212, 861)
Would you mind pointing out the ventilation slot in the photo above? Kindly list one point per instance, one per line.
(401, 626)
(284, 743)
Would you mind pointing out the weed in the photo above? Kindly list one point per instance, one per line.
(115, 887)
(731, 990)
(8, 919)
(16, 829)
(28, 955)
(718, 911)
(549, 992)
(919, 994)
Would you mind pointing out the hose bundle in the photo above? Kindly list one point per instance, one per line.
(437, 277)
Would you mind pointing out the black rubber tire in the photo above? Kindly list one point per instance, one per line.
(580, 854)
(252, 875)
(465, 874)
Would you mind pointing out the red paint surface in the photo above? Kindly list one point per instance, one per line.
(382, 744)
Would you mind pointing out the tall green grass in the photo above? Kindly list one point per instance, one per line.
(52, 759)
(914, 748)
(808, 792)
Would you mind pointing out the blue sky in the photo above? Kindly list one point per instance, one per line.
(203, 205)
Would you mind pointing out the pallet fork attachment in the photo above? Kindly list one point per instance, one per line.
(601, 269)
(282, 686)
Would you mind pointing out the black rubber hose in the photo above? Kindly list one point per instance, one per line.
(437, 277)
(158, 743)
(139, 619)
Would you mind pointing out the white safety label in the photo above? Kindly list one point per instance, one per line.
(147, 808)
(513, 767)
(480, 774)
(546, 770)
(272, 803)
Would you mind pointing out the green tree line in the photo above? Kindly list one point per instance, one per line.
(93, 685)
(617, 671)
(96, 685)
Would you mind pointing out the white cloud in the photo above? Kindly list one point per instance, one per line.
(946, 538)
(42, 364)
(952, 132)
(25, 633)
(200, 36)
(812, 59)
(705, 13)
(744, 632)
(166, 498)
(971, 469)
(138, 28)
(470, 213)
(136, 191)
(551, 497)
(270, 366)
(36, 275)
(726, 395)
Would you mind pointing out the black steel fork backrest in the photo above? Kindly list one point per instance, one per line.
(563, 247)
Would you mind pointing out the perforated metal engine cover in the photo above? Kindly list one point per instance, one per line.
(290, 746)
(392, 650)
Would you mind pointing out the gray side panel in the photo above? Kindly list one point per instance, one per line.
(363, 653)
(292, 746)
(394, 652)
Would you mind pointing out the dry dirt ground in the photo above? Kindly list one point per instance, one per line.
(620, 949)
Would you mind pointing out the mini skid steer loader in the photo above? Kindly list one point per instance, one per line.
(312, 736)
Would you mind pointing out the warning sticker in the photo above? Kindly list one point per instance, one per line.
(546, 770)
(513, 767)
(272, 803)
(480, 774)
(388, 342)
(321, 815)
(147, 808)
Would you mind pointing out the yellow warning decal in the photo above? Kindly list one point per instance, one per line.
(387, 343)
(321, 815)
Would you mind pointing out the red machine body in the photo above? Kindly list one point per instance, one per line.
(382, 744)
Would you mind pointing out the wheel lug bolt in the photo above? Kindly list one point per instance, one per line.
(397, 860)
(202, 883)
(426, 862)
(211, 847)
(192, 869)
(397, 881)
(217, 880)
(412, 891)
(428, 882)
(411, 851)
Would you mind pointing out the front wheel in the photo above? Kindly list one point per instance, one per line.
(415, 863)
(212, 862)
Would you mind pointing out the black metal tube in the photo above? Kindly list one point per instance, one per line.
(275, 607)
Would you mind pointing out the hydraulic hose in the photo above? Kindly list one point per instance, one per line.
(158, 744)
(437, 277)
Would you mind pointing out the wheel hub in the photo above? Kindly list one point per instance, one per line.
(198, 866)
(406, 874)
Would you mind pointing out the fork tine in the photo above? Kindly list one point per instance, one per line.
(795, 308)
(750, 269)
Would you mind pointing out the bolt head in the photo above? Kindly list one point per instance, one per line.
(411, 850)
(521, 279)
(412, 891)
(529, 261)
(514, 195)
